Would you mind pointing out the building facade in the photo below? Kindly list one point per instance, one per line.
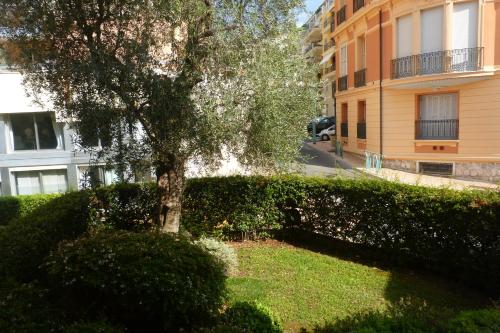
(418, 82)
(37, 154)
(319, 47)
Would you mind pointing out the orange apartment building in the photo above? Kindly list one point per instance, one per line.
(418, 81)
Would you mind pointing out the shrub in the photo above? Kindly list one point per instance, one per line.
(25, 308)
(124, 207)
(223, 252)
(481, 321)
(148, 281)
(12, 208)
(25, 243)
(250, 317)
(229, 207)
(455, 233)
(93, 327)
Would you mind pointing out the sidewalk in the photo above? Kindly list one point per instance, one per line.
(357, 162)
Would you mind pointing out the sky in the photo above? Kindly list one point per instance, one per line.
(311, 5)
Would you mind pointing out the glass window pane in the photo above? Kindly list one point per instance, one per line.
(110, 177)
(54, 181)
(46, 134)
(23, 129)
(28, 183)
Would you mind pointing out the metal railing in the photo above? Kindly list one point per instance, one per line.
(450, 61)
(341, 15)
(328, 45)
(361, 130)
(343, 83)
(445, 129)
(360, 78)
(344, 130)
(357, 4)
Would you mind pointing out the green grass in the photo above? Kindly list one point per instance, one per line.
(306, 288)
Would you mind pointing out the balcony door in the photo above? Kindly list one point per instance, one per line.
(465, 54)
(431, 41)
(438, 117)
(404, 66)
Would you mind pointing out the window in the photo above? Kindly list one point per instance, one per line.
(361, 46)
(465, 25)
(94, 176)
(431, 36)
(361, 111)
(405, 36)
(45, 181)
(343, 60)
(438, 117)
(344, 128)
(35, 131)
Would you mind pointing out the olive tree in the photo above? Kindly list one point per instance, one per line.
(169, 80)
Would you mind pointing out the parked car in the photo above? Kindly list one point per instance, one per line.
(327, 133)
(321, 124)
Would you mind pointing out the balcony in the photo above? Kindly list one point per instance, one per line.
(450, 61)
(344, 130)
(360, 78)
(343, 83)
(361, 130)
(328, 45)
(341, 15)
(357, 4)
(312, 46)
(330, 69)
(445, 129)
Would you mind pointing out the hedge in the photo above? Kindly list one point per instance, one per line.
(456, 233)
(12, 208)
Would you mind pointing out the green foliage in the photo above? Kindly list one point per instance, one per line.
(12, 208)
(93, 327)
(223, 252)
(25, 243)
(480, 321)
(124, 207)
(251, 317)
(26, 308)
(456, 233)
(233, 207)
(147, 281)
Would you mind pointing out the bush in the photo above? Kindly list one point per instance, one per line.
(223, 252)
(481, 321)
(93, 327)
(455, 233)
(251, 318)
(124, 207)
(26, 308)
(147, 281)
(26, 242)
(12, 208)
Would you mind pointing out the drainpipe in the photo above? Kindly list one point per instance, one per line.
(381, 96)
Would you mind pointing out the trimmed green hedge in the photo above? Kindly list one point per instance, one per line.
(456, 233)
(12, 208)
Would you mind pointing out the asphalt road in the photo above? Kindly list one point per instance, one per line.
(313, 156)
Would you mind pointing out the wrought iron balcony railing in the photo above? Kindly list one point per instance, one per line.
(343, 83)
(445, 129)
(344, 130)
(357, 4)
(329, 45)
(361, 130)
(360, 78)
(450, 61)
(341, 15)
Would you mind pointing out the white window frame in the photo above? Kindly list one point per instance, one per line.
(39, 171)
(344, 60)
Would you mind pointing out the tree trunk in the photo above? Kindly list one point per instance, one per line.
(170, 181)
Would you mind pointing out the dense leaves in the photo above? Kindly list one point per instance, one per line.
(147, 281)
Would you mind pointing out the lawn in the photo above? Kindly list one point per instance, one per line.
(306, 288)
